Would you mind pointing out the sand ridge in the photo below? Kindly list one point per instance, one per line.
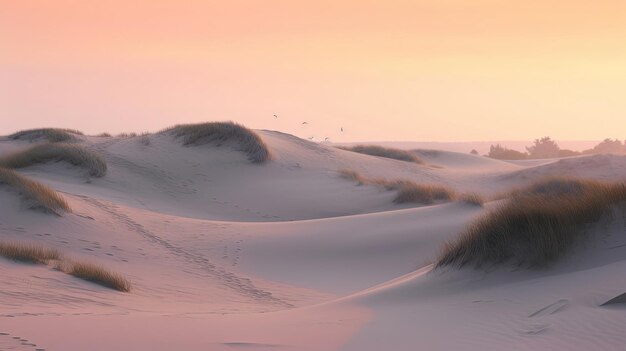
(224, 254)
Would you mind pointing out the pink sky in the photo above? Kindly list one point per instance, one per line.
(383, 70)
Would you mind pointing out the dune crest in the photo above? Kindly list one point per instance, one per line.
(211, 251)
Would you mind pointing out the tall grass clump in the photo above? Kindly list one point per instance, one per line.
(53, 135)
(536, 225)
(35, 195)
(422, 193)
(386, 152)
(32, 253)
(145, 139)
(472, 199)
(407, 191)
(28, 253)
(97, 274)
(203, 133)
(52, 152)
(353, 176)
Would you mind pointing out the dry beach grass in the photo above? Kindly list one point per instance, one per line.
(247, 140)
(53, 152)
(28, 252)
(35, 195)
(32, 253)
(536, 225)
(407, 191)
(386, 152)
(96, 274)
(53, 135)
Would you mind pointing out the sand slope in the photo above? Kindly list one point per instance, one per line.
(227, 255)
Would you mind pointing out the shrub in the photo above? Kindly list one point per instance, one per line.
(53, 135)
(386, 152)
(608, 146)
(28, 253)
(74, 154)
(536, 225)
(203, 133)
(543, 148)
(568, 153)
(104, 135)
(96, 274)
(35, 195)
(499, 152)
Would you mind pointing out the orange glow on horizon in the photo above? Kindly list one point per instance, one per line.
(394, 70)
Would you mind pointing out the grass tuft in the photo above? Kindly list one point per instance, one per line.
(28, 253)
(411, 192)
(35, 195)
(353, 176)
(145, 139)
(203, 133)
(408, 191)
(536, 225)
(99, 275)
(472, 199)
(91, 272)
(386, 152)
(53, 135)
(74, 154)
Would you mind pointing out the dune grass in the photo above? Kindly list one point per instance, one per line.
(49, 152)
(411, 192)
(353, 176)
(145, 139)
(96, 274)
(203, 133)
(30, 253)
(386, 152)
(53, 135)
(472, 199)
(35, 195)
(536, 225)
(407, 191)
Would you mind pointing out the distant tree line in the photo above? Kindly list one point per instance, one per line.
(548, 148)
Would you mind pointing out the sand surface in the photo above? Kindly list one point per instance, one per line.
(228, 255)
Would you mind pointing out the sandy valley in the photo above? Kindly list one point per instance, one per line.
(227, 254)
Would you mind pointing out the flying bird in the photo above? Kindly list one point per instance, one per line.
(326, 139)
(342, 129)
(305, 123)
(275, 116)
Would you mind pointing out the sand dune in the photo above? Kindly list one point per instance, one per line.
(224, 254)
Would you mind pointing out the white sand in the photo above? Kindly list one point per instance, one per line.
(227, 255)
